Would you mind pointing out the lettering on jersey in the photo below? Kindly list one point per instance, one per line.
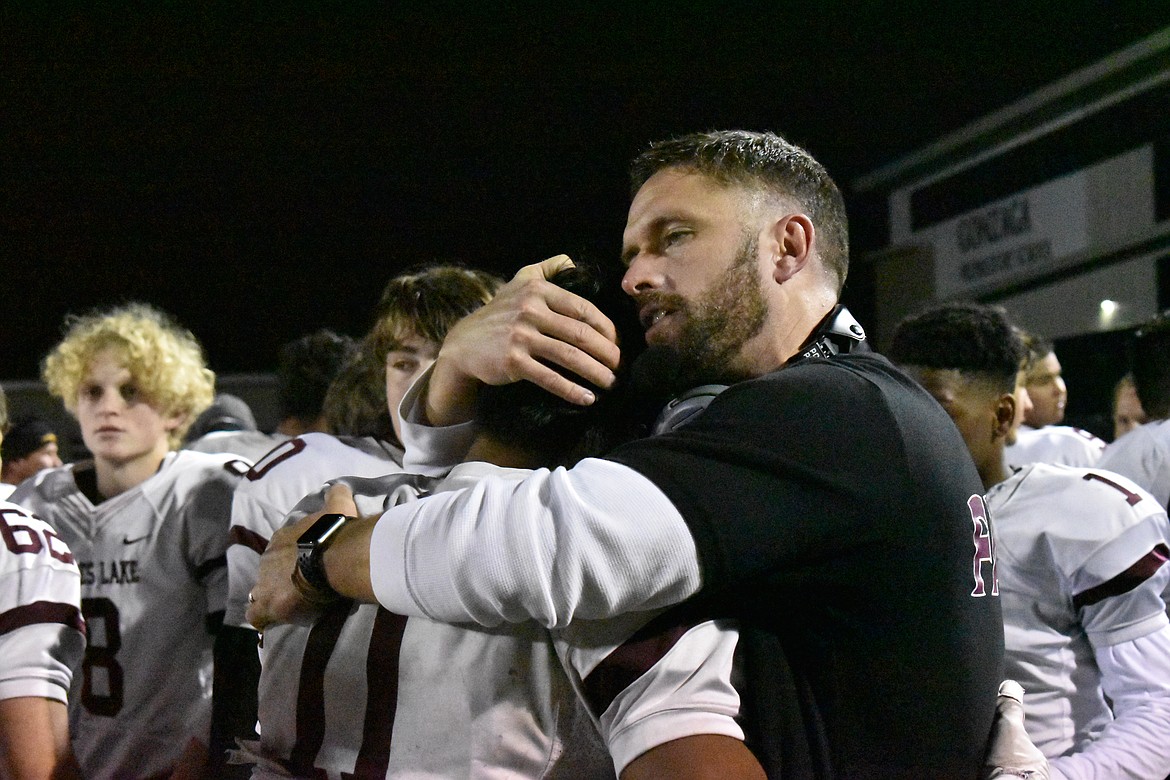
(277, 455)
(20, 537)
(109, 572)
(984, 547)
(102, 684)
(1131, 497)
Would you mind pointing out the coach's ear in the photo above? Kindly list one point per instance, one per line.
(791, 242)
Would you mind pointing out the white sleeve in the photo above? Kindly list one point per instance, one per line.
(592, 542)
(1138, 456)
(253, 522)
(430, 451)
(688, 691)
(1136, 676)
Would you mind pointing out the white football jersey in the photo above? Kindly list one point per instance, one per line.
(250, 445)
(650, 678)
(367, 693)
(1143, 455)
(1061, 444)
(42, 636)
(1080, 556)
(152, 569)
(291, 470)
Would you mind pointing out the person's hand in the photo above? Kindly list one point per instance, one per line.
(529, 320)
(1010, 752)
(276, 599)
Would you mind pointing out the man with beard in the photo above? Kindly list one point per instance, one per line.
(823, 500)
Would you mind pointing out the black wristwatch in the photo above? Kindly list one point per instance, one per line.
(311, 550)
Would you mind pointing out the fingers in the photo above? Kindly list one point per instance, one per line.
(339, 499)
(545, 269)
(529, 323)
(274, 599)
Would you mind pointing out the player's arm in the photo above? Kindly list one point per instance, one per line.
(529, 320)
(1125, 621)
(698, 757)
(1135, 675)
(34, 739)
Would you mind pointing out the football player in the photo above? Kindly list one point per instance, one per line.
(1041, 439)
(1081, 558)
(42, 638)
(361, 411)
(146, 526)
(1143, 454)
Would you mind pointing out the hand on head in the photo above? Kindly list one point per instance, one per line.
(530, 320)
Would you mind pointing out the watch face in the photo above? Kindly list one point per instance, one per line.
(321, 530)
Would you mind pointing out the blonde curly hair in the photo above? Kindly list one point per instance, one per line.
(164, 359)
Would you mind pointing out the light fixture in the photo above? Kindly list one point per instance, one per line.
(1108, 308)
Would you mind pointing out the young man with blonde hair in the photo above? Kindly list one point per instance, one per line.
(146, 525)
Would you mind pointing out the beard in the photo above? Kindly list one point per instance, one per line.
(730, 312)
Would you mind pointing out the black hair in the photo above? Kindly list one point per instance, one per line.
(355, 404)
(524, 416)
(971, 338)
(1036, 348)
(305, 370)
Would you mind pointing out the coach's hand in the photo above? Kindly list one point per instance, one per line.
(529, 320)
(276, 599)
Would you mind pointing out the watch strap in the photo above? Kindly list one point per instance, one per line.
(310, 580)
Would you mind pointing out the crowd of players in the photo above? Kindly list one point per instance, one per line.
(529, 530)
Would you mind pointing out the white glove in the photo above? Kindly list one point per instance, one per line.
(1010, 753)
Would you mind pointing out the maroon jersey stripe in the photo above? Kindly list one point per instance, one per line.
(635, 656)
(1129, 579)
(311, 693)
(382, 698)
(41, 612)
(248, 538)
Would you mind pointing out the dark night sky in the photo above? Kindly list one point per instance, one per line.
(262, 173)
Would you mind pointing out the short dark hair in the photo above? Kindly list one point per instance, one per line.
(1036, 348)
(971, 338)
(305, 370)
(762, 161)
(355, 404)
(3, 412)
(1150, 357)
(523, 416)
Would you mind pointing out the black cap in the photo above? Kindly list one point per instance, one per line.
(226, 413)
(25, 437)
